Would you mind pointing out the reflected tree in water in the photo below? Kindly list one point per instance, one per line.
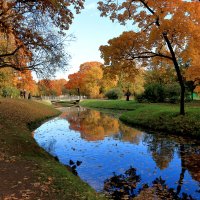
(128, 186)
(93, 125)
(162, 149)
(129, 134)
(161, 191)
(191, 157)
(190, 160)
(49, 146)
(122, 186)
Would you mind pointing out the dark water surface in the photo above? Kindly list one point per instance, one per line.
(105, 145)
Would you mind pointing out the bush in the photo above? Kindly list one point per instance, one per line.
(172, 92)
(141, 98)
(115, 93)
(154, 93)
(161, 93)
(9, 92)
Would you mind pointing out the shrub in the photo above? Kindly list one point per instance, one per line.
(141, 98)
(172, 92)
(155, 92)
(162, 93)
(115, 93)
(9, 91)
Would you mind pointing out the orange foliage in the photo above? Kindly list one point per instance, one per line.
(21, 80)
(25, 36)
(87, 79)
(24, 81)
(51, 87)
(75, 81)
(94, 125)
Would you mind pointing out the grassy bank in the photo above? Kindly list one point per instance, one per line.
(28, 172)
(154, 117)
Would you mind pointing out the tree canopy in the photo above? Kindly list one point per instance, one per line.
(32, 33)
(167, 29)
(87, 80)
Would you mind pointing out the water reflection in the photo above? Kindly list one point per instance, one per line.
(124, 186)
(104, 145)
(94, 126)
(49, 146)
(191, 157)
(161, 149)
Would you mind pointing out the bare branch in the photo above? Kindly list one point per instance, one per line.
(12, 53)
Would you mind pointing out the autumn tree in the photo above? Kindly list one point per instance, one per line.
(167, 29)
(87, 81)
(48, 87)
(93, 73)
(58, 86)
(75, 83)
(11, 79)
(7, 86)
(108, 80)
(6, 77)
(34, 33)
(160, 72)
(126, 76)
(24, 81)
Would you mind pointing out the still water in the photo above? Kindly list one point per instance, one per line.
(106, 147)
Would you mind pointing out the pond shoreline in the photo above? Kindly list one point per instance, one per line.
(152, 117)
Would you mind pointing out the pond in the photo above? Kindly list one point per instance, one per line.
(120, 160)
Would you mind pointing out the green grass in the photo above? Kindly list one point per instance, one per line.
(154, 117)
(17, 120)
(110, 104)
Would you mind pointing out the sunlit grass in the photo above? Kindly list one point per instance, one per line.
(110, 104)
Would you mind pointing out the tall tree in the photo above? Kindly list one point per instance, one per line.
(93, 73)
(168, 29)
(51, 87)
(75, 83)
(34, 32)
(87, 80)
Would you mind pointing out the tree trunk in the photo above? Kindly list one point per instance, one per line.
(192, 92)
(78, 90)
(183, 169)
(178, 72)
(127, 94)
(127, 97)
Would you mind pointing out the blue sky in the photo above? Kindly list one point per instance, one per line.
(91, 31)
